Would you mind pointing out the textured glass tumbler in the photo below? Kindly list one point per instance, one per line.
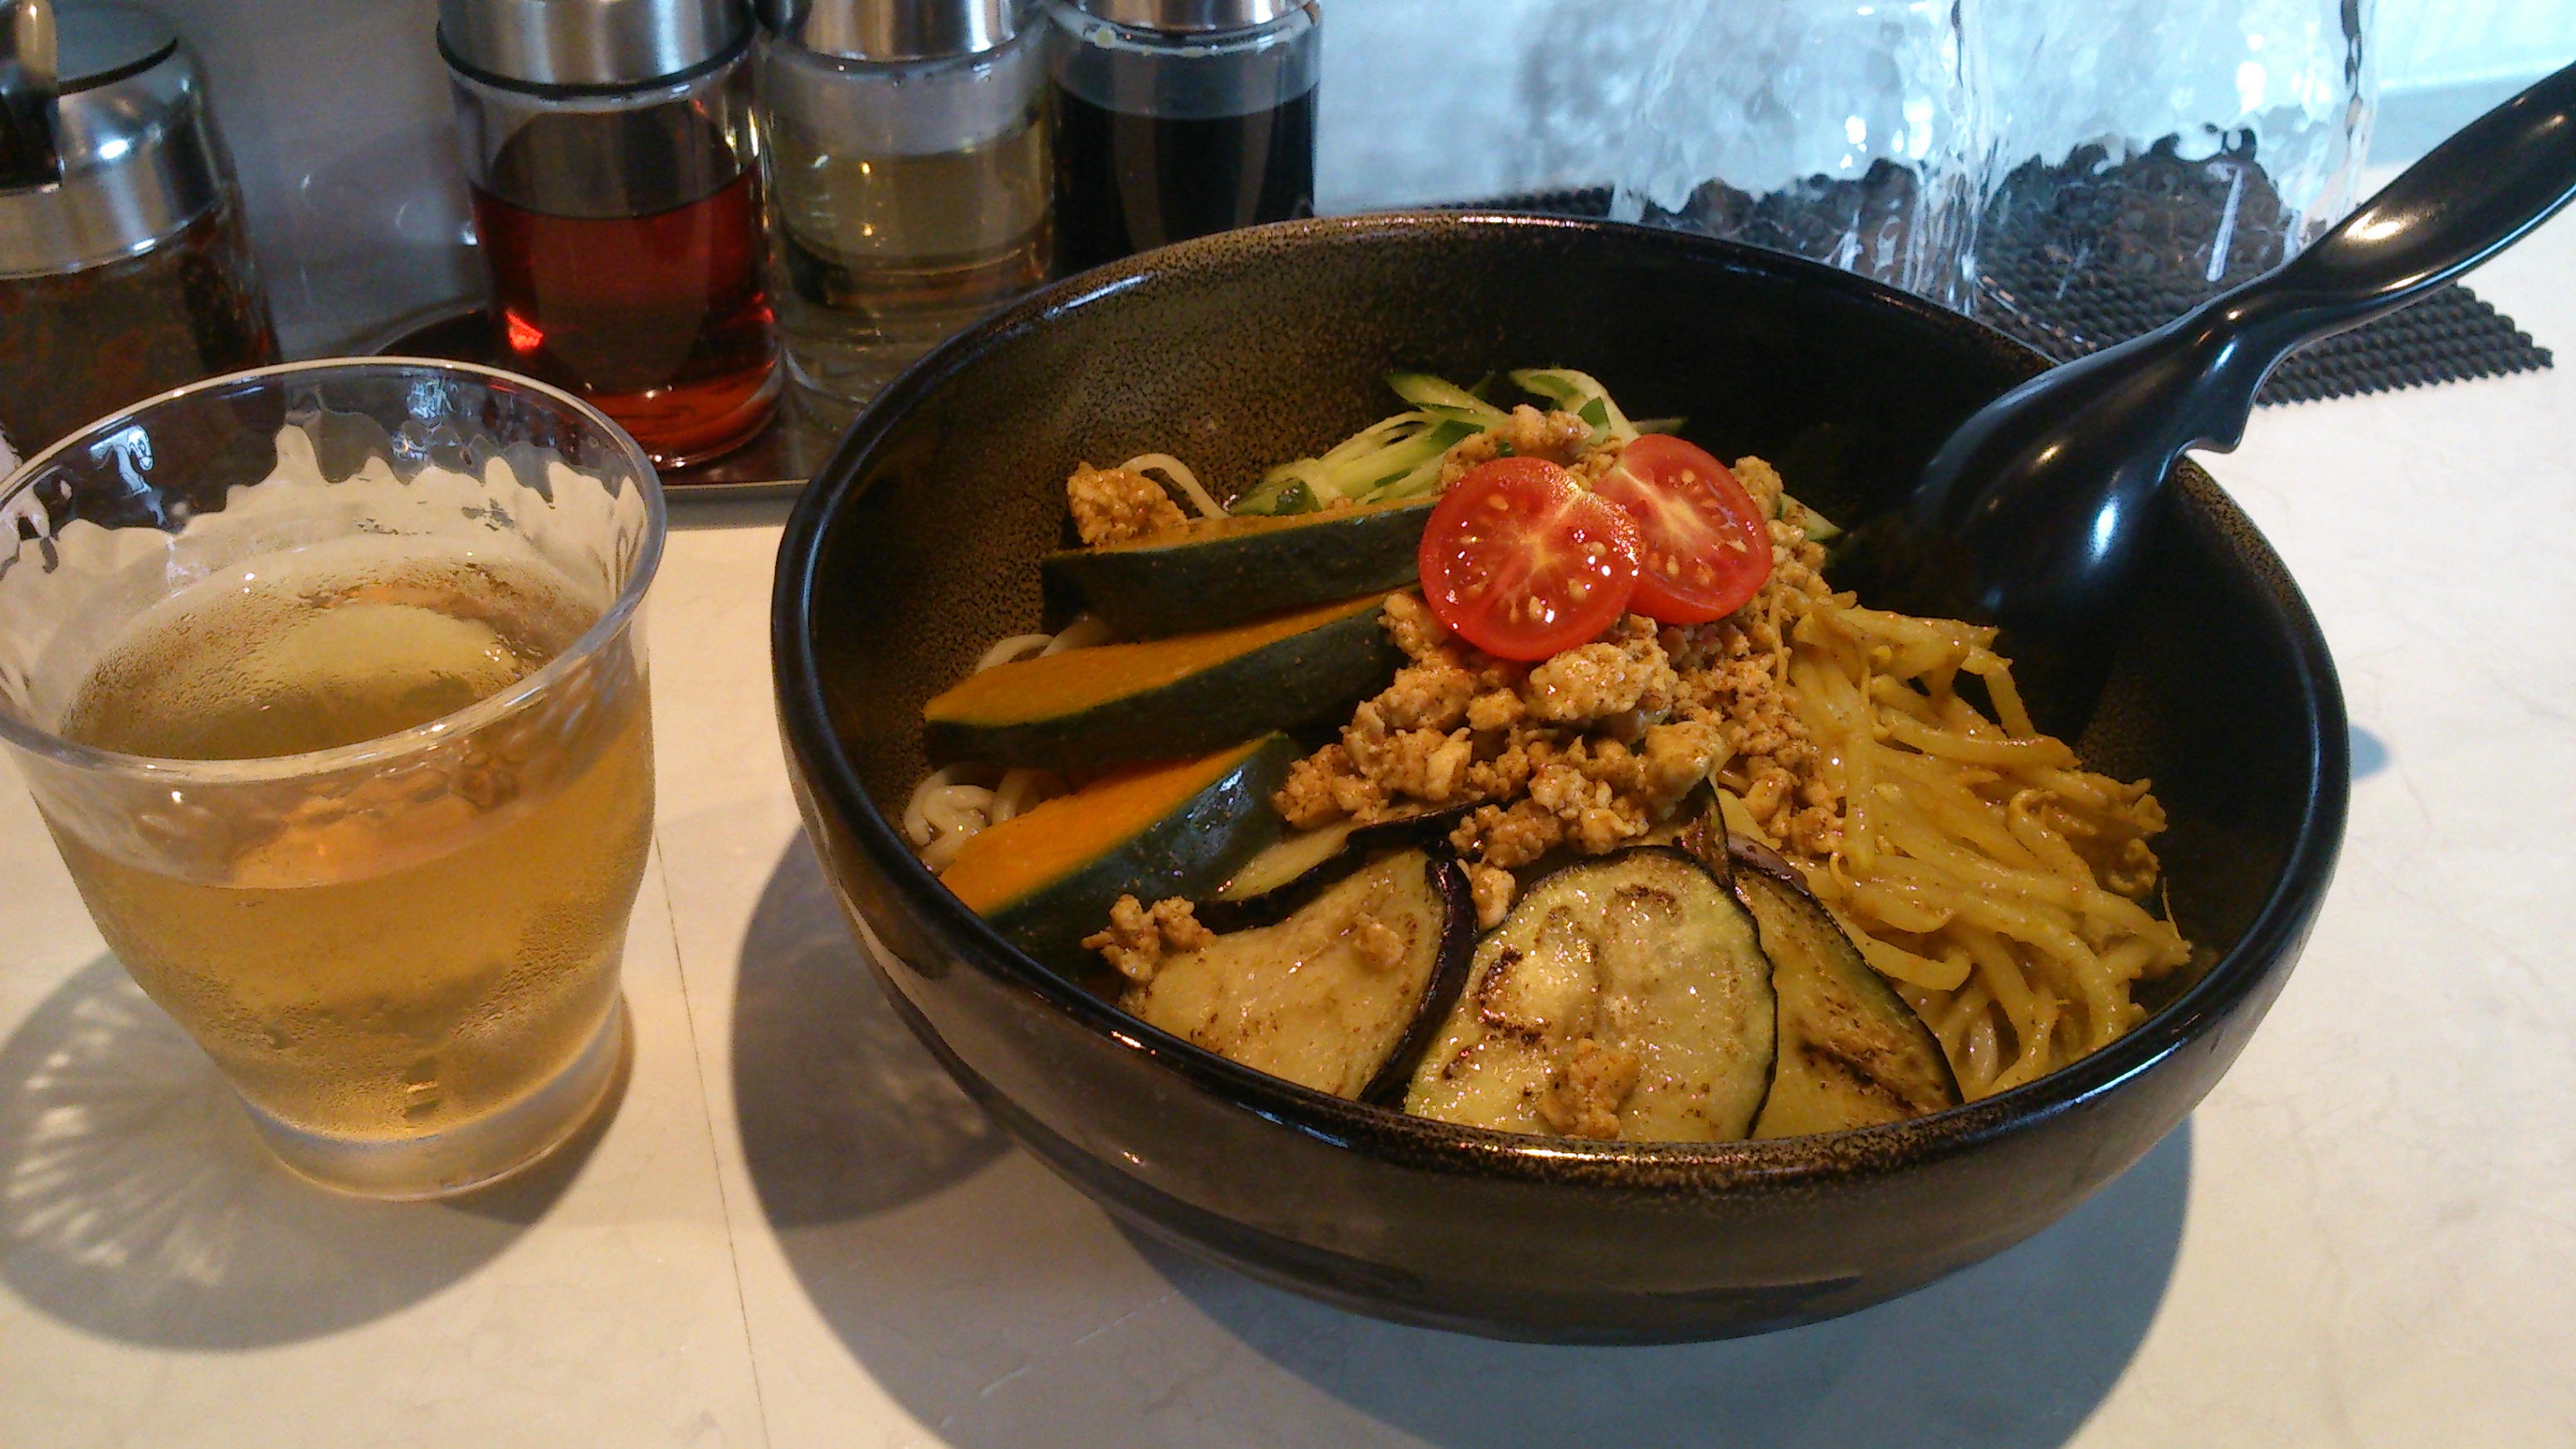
(2149, 154)
(1843, 131)
(328, 681)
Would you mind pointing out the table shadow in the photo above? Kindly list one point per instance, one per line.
(137, 1201)
(2015, 1353)
(843, 1114)
(1000, 1309)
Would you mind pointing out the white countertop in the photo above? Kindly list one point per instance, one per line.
(794, 1232)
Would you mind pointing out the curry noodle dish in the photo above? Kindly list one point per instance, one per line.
(1519, 766)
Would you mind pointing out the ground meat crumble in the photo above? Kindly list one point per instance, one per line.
(1378, 945)
(1594, 747)
(1585, 1092)
(1139, 937)
(1589, 750)
(1113, 505)
(1560, 437)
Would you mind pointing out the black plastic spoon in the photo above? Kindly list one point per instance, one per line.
(2034, 515)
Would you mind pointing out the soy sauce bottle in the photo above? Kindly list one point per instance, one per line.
(1179, 118)
(615, 164)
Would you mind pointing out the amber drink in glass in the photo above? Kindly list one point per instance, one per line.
(327, 680)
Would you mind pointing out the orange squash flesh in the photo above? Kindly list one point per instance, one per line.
(1028, 852)
(1062, 684)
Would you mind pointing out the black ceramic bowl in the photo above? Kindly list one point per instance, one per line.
(917, 546)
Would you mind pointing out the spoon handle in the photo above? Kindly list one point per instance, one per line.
(2036, 510)
(2467, 199)
(2031, 501)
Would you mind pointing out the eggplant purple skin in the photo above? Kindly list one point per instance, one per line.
(1746, 851)
(1430, 831)
(1743, 853)
(1458, 935)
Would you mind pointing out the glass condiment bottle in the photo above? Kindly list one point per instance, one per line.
(909, 182)
(615, 164)
(1178, 118)
(124, 269)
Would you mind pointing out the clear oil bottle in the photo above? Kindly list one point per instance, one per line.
(910, 175)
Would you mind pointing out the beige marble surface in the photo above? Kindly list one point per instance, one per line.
(795, 1233)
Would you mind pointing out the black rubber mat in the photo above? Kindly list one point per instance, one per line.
(2448, 336)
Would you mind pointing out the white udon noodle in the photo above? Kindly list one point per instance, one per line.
(1176, 474)
(948, 808)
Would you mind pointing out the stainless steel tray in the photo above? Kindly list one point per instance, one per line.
(778, 459)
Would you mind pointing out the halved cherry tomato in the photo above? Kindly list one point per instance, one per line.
(1522, 561)
(1703, 548)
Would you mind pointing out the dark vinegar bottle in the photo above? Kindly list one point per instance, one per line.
(1177, 120)
(620, 222)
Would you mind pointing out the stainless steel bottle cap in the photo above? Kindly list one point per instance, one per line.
(587, 44)
(1190, 17)
(139, 156)
(885, 30)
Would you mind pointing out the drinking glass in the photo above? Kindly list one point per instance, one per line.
(1845, 131)
(328, 681)
(2150, 154)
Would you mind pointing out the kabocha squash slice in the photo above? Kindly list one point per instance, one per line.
(1852, 1052)
(1623, 996)
(1047, 879)
(1087, 708)
(1222, 571)
(1338, 996)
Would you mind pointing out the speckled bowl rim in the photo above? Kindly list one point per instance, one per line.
(2268, 943)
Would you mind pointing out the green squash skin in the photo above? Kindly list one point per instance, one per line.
(1153, 590)
(1188, 852)
(1281, 685)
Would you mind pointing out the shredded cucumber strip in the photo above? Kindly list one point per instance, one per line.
(1434, 394)
(1580, 394)
(1400, 457)
(1820, 529)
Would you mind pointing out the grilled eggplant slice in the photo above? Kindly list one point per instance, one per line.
(1342, 994)
(1296, 868)
(1292, 858)
(1852, 1052)
(1626, 996)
